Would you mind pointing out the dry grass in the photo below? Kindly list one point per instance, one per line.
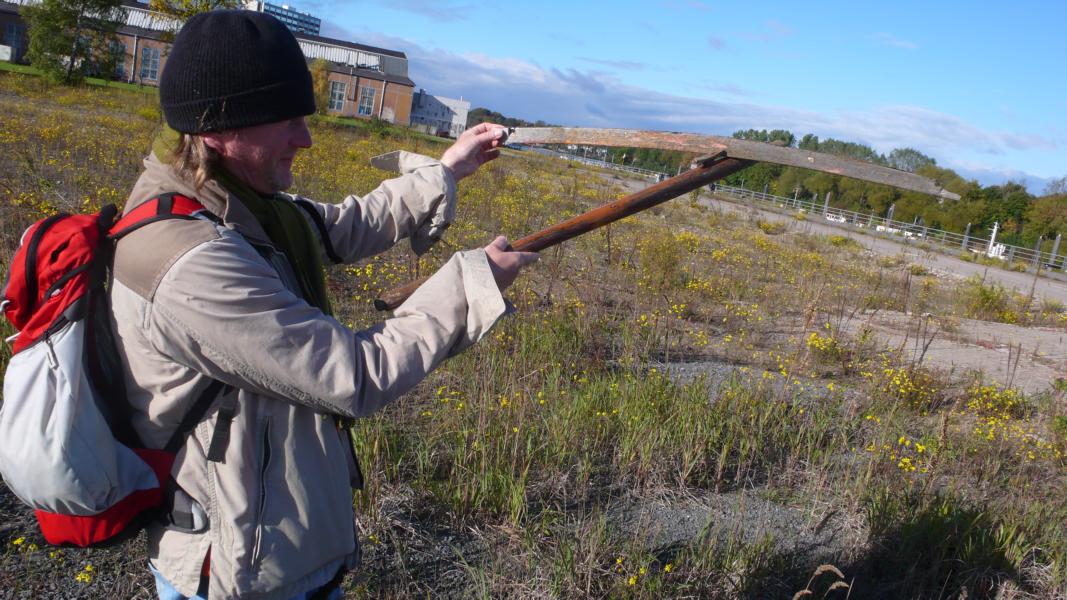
(501, 475)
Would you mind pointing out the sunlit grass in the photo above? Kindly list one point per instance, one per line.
(572, 405)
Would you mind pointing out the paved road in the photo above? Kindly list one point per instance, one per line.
(1046, 287)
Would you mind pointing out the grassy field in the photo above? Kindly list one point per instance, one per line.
(676, 409)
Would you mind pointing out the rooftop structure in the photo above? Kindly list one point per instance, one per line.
(297, 22)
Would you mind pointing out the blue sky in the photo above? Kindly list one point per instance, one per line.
(980, 86)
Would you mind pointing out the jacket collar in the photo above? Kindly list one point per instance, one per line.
(159, 178)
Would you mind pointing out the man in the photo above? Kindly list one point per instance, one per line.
(261, 499)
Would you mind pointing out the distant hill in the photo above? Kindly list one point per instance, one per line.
(484, 115)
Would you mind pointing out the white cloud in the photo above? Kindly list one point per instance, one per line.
(625, 65)
(524, 89)
(440, 11)
(887, 39)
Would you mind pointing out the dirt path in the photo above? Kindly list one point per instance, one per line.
(1029, 358)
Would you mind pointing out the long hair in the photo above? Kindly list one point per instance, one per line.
(194, 159)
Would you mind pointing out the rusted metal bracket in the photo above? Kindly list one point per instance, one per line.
(734, 148)
(707, 159)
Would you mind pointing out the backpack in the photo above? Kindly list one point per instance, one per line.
(67, 446)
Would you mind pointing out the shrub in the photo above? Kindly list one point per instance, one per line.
(988, 301)
(1059, 430)
(149, 113)
(840, 241)
(770, 228)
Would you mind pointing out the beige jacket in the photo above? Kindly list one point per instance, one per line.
(195, 301)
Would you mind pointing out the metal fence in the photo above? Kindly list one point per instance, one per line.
(1017, 257)
(911, 233)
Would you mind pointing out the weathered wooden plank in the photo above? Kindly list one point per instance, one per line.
(734, 148)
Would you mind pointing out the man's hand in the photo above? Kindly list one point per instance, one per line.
(475, 147)
(506, 263)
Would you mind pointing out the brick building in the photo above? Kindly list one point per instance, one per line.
(365, 81)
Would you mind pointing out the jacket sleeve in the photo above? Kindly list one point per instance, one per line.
(362, 227)
(222, 311)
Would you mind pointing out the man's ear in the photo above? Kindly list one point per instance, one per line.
(216, 140)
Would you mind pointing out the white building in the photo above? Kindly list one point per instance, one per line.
(297, 21)
(439, 115)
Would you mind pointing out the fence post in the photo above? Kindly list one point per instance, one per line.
(826, 204)
(1037, 251)
(1011, 255)
(966, 237)
(1055, 251)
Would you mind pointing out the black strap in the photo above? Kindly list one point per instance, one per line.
(316, 218)
(165, 203)
(63, 279)
(220, 438)
(153, 219)
(355, 478)
(195, 414)
(31, 257)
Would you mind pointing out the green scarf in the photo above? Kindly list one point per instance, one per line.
(281, 219)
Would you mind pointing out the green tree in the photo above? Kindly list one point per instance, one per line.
(1047, 216)
(183, 9)
(70, 38)
(809, 142)
(1008, 204)
(909, 159)
(320, 84)
(780, 136)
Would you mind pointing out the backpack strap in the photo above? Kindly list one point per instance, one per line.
(196, 414)
(316, 218)
(173, 205)
(161, 208)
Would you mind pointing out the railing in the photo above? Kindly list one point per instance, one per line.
(953, 243)
(947, 241)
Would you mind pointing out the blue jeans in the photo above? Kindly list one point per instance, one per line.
(167, 592)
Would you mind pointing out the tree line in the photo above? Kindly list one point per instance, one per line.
(1023, 217)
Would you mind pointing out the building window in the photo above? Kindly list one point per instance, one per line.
(13, 37)
(337, 95)
(149, 63)
(118, 54)
(366, 101)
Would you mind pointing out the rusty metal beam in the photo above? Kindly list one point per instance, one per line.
(704, 171)
(734, 148)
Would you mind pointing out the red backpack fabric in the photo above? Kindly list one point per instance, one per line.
(67, 448)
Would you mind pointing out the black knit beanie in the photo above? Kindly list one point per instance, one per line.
(234, 68)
